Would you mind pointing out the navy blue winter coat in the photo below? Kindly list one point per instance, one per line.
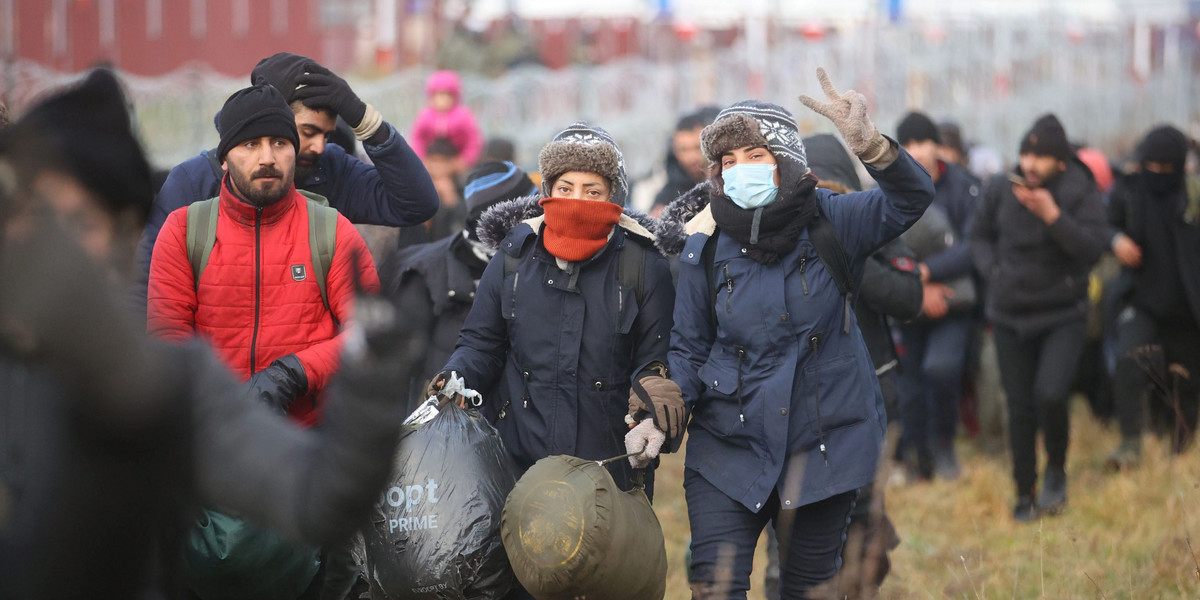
(780, 396)
(555, 360)
(396, 191)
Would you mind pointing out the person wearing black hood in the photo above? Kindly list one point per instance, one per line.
(108, 440)
(1035, 239)
(435, 282)
(1157, 240)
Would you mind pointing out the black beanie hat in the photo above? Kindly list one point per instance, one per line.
(85, 131)
(916, 127)
(493, 182)
(1164, 144)
(952, 136)
(281, 70)
(254, 112)
(1047, 138)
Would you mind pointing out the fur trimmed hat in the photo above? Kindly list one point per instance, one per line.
(753, 123)
(582, 147)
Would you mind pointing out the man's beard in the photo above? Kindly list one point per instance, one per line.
(261, 194)
(306, 165)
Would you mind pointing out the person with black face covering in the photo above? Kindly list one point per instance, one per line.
(1157, 309)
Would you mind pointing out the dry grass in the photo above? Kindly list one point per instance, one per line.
(1132, 535)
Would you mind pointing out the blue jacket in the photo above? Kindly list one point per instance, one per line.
(780, 396)
(396, 191)
(554, 362)
(959, 194)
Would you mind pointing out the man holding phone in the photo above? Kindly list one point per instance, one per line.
(1036, 237)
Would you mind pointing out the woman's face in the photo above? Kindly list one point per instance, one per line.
(582, 185)
(749, 155)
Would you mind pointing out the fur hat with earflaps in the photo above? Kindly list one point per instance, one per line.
(582, 147)
(758, 123)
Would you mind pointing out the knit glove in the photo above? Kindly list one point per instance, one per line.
(848, 111)
(320, 87)
(659, 398)
(279, 384)
(647, 439)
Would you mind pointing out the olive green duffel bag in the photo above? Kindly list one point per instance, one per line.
(570, 532)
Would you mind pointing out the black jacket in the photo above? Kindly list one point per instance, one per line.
(1037, 274)
(1167, 284)
(434, 284)
(891, 287)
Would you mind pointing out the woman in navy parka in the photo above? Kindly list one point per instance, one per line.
(786, 414)
(557, 333)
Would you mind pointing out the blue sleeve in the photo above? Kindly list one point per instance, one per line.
(190, 181)
(864, 221)
(955, 261)
(692, 335)
(483, 342)
(396, 191)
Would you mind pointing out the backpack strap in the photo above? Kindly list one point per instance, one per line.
(201, 235)
(215, 164)
(631, 269)
(322, 239)
(833, 256)
(708, 259)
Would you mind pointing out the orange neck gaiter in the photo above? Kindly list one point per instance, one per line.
(577, 229)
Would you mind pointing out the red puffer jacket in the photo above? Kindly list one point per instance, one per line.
(248, 304)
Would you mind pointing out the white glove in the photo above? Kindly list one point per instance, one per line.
(647, 439)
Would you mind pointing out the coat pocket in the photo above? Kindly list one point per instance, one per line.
(835, 399)
(719, 409)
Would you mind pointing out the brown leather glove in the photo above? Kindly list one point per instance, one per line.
(663, 402)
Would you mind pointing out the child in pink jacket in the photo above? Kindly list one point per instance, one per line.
(446, 117)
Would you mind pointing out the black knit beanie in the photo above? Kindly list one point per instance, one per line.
(1047, 138)
(916, 127)
(493, 182)
(281, 70)
(1164, 144)
(85, 131)
(254, 112)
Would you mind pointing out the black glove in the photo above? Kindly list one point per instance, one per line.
(280, 383)
(318, 87)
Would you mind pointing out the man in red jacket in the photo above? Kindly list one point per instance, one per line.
(258, 299)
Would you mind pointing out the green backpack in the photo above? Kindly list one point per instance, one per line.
(322, 237)
(228, 558)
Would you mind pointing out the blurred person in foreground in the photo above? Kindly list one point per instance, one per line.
(1036, 236)
(111, 440)
(936, 346)
(1156, 214)
(435, 283)
(394, 190)
(787, 419)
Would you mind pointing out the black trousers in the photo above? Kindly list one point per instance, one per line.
(1035, 372)
(1145, 349)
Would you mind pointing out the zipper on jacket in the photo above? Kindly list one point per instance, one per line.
(814, 344)
(525, 392)
(257, 283)
(803, 279)
(516, 277)
(741, 357)
(728, 289)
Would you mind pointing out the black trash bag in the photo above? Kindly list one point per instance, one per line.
(570, 532)
(435, 533)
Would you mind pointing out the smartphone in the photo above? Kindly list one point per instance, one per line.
(1017, 179)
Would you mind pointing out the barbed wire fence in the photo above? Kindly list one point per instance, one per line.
(993, 79)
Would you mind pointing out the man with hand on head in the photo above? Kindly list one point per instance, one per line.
(395, 190)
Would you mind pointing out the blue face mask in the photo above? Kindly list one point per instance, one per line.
(750, 185)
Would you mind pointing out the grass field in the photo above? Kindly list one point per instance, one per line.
(1129, 535)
